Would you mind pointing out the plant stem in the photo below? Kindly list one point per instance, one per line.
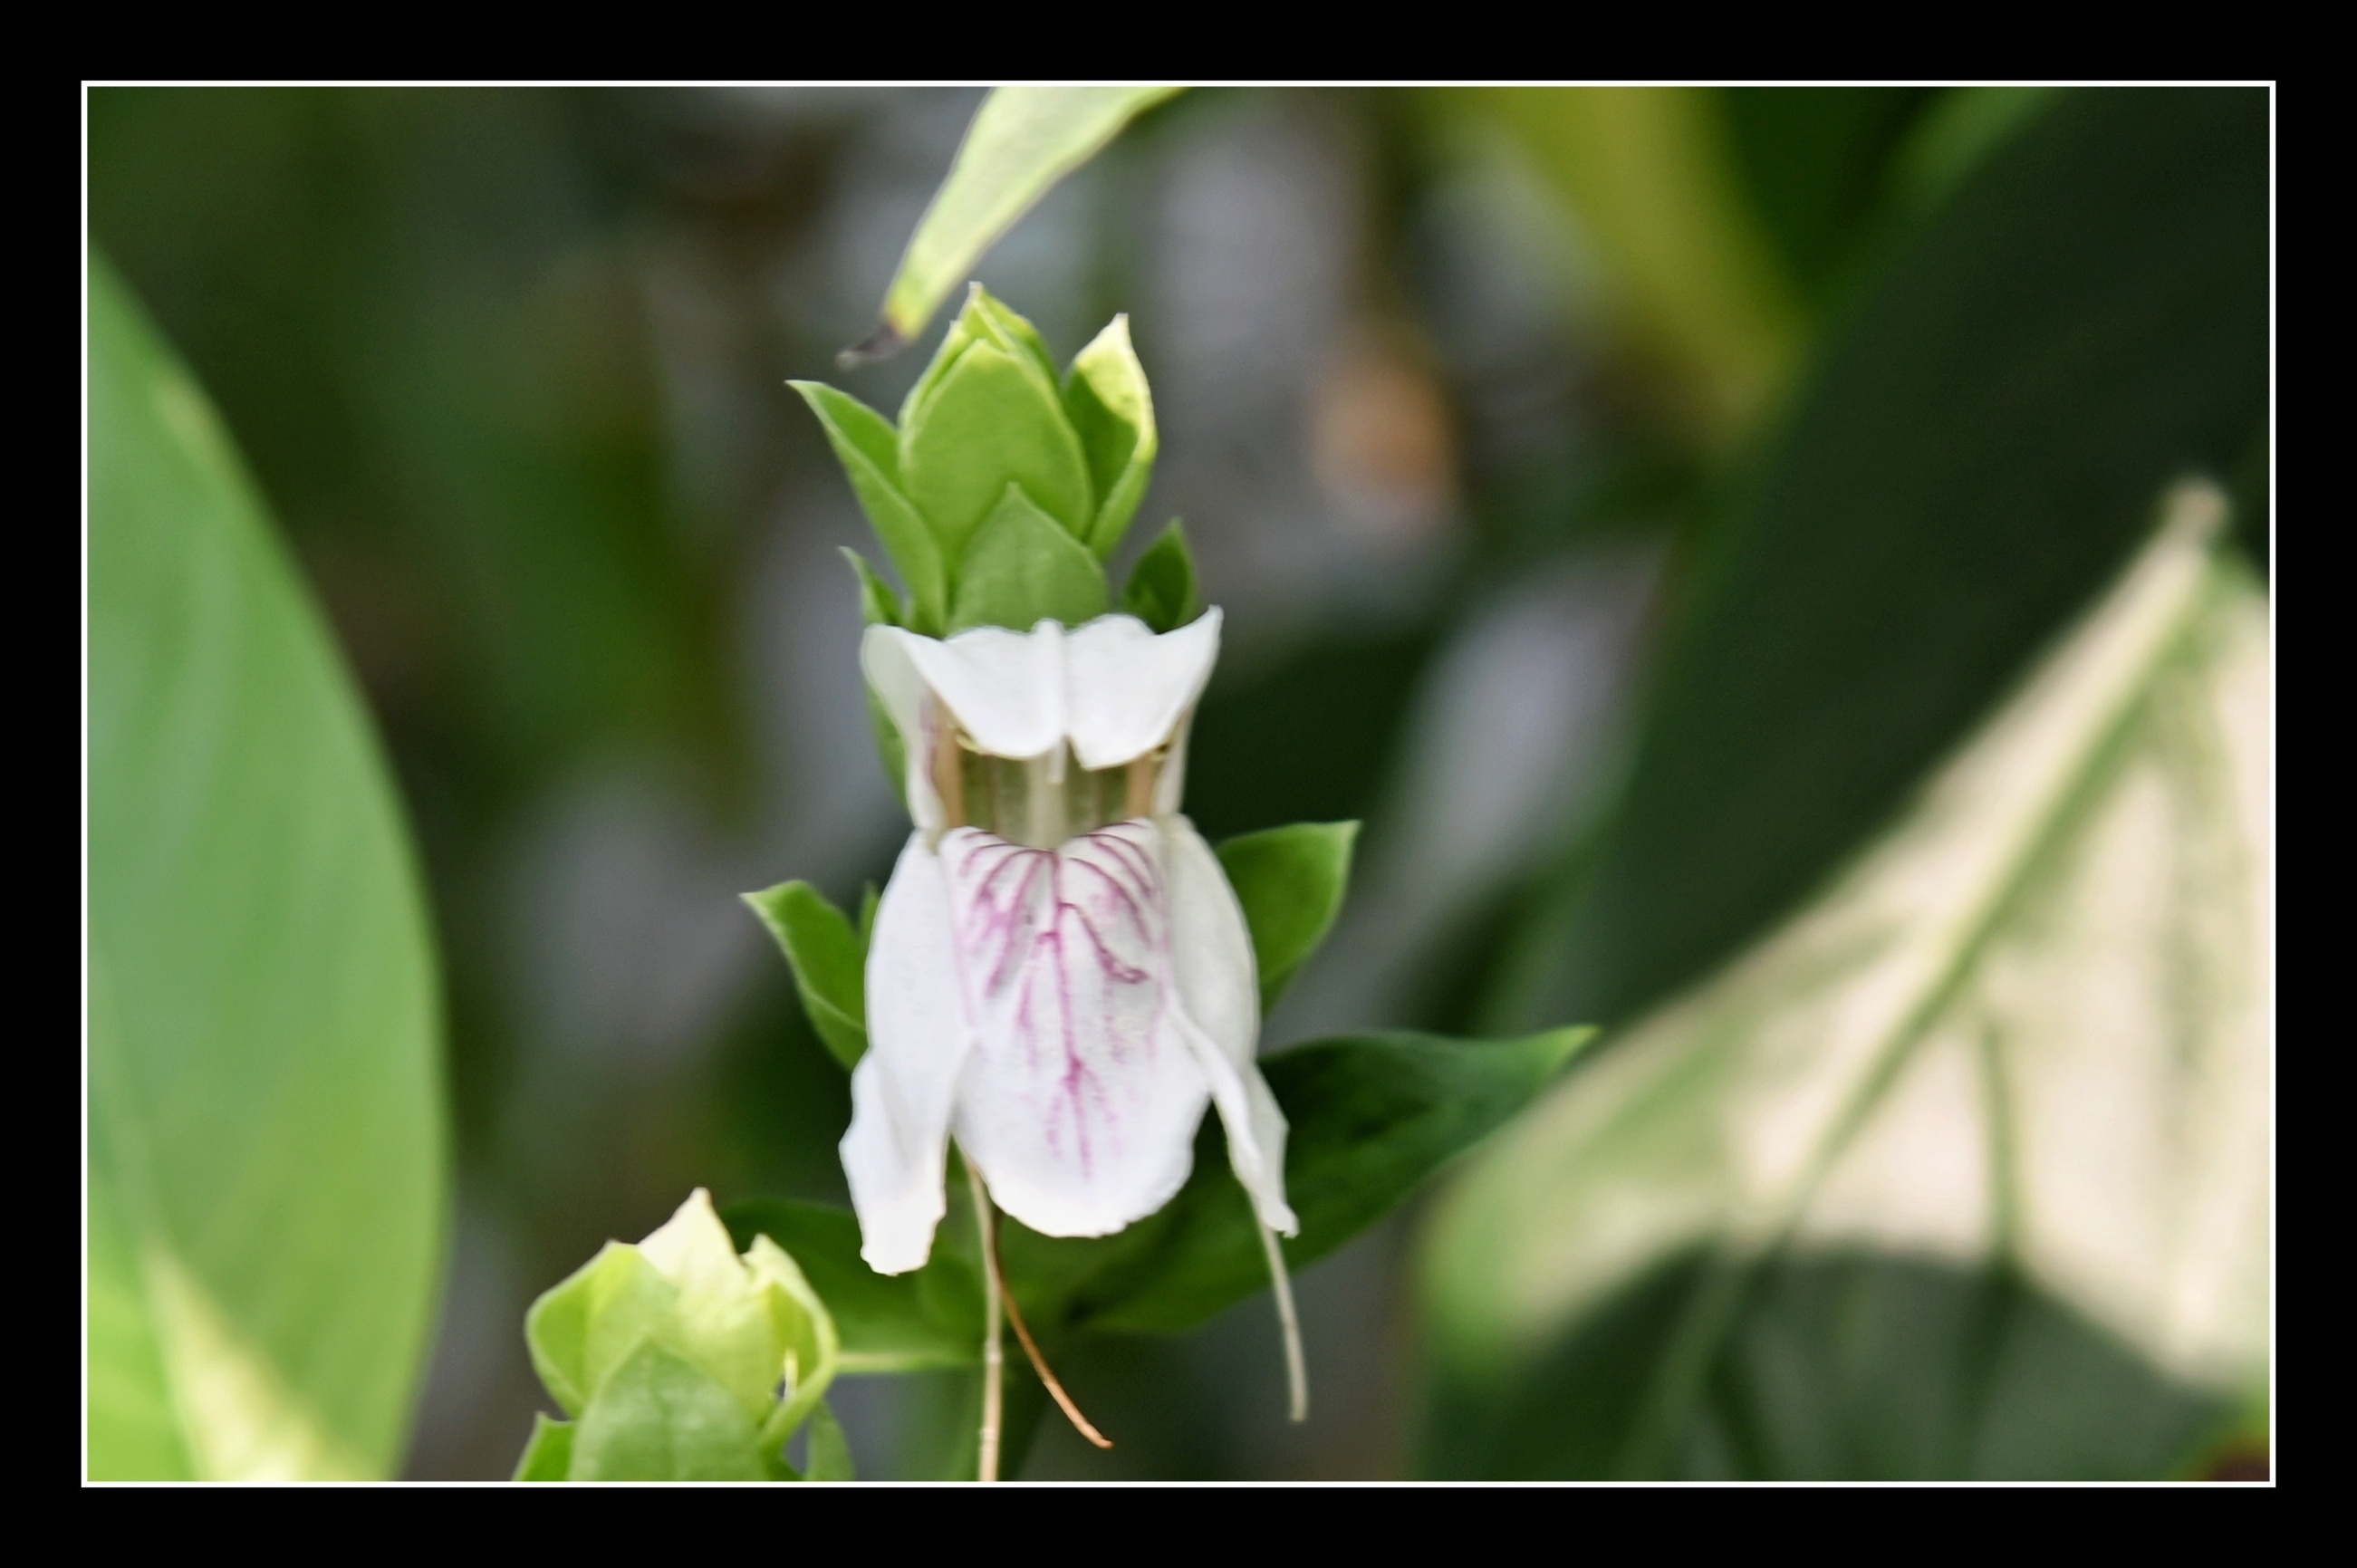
(994, 1364)
(1296, 1371)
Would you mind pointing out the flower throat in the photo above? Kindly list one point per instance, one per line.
(1039, 801)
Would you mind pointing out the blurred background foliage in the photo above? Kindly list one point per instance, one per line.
(1625, 499)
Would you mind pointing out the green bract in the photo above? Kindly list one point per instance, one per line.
(1005, 487)
(680, 1360)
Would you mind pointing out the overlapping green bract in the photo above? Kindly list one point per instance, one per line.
(1006, 486)
(680, 1360)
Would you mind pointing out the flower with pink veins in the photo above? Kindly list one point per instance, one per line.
(1060, 975)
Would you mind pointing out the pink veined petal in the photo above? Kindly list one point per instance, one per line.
(1080, 1098)
(902, 1091)
(1219, 1000)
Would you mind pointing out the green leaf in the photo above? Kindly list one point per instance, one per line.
(1974, 460)
(990, 424)
(1844, 1364)
(1162, 591)
(1372, 1118)
(869, 450)
(1023, 140)
(1985, 1125)
(1022, 568)
(135, 1432)
(870, 454)
(829, 961)
(1816, 164)
(889, 1323)
(1290, 881)
(1958, 131)
(1112, 410)
(879, 605)
(266, 1137)
(549, 1455)
(830, 1450)
(660, 1417)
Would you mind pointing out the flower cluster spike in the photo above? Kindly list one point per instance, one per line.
(1059, 975)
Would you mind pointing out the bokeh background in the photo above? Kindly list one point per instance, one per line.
(510, 367)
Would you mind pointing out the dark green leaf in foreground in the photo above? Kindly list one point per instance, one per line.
(266, 1136)
(1855, 1365)
(1975, 457)
(1372, 1117)
(1290, 881)
(829, 961)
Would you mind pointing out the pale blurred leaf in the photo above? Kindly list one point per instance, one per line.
(2024, 1040)
(1023, 140)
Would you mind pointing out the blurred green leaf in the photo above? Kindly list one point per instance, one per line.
(2024, 1041)
(1112, 410)
(1959, 130)
(828, 962)
(1651, 172)
(266, 1135)
(1972, 460)
(1291, 882)
(1162, 590)
(889, 1323)
(1844, 1364)
(1022, 568)
(1816, 164)
(1023, 140)
(869, 450)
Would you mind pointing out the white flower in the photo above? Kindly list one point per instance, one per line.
(1060, 974)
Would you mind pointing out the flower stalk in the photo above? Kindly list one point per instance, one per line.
(994, 1354)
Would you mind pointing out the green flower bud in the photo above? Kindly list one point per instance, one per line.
(678, 1359)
